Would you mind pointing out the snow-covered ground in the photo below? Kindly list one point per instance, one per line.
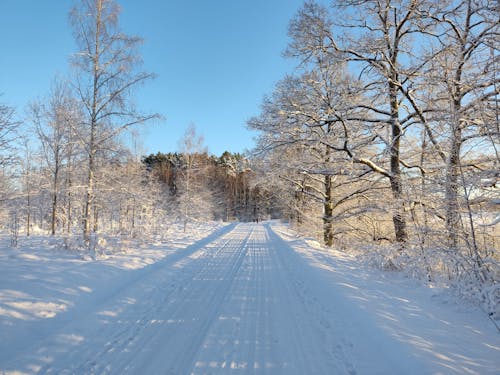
(246, 298)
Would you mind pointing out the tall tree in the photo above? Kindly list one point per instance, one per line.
(375, 38)
(106, 74)
(464, 90)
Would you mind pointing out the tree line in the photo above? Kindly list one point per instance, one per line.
(206, 187)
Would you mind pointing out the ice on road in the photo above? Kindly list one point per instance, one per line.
(246, 301)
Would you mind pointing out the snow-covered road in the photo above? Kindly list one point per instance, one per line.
(247, 301)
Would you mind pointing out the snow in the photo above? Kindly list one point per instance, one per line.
(241, 298)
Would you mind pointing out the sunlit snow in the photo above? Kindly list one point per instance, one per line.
(237, 298)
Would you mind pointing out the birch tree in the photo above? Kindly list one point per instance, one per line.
(106, 74)
(54, 118)
(28, 186)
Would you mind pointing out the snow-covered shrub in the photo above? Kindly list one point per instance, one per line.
(441, 267)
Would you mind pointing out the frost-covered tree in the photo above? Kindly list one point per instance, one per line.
(8, 127)
(8, 135)
(375, 39)
(28, 187)
(463, 87)
(194, 196)
(106, 74)
(55, 119)
(301, 126)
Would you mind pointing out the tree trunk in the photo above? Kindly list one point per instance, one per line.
(328, 212)
(398, 217)
(93, 128)
(54, 198)
(53, 219)
(96, 219)
(451, 188)
(88, 200)
(69, 206)
(28, 216)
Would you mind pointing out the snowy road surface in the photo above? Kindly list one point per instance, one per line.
(247, 301)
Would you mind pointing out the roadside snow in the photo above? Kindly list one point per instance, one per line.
(455, 338)
(243, 298)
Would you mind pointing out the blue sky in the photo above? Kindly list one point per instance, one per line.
(214, 59)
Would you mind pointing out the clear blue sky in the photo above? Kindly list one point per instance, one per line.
(215, 59)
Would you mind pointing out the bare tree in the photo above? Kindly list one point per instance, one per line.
(465, 89)
(27, 170)
(54, 119)
(8, 127)
(193, 193)
(8, 134)
(106, 74)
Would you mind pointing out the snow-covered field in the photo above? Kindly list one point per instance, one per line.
(241, 298)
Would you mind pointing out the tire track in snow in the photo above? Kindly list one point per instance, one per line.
(155, 303)
(269, 325)
(184, 315)
(232, 343)
(67, 345)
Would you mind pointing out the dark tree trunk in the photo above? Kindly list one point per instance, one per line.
(398, 217)
(328, 212)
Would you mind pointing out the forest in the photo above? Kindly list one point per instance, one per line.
(383, 142)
